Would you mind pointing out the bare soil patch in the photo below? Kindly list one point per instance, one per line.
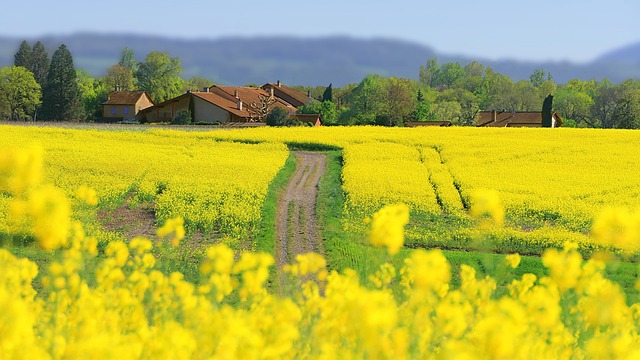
(130, 221)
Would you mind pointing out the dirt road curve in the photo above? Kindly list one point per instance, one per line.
(296, 226)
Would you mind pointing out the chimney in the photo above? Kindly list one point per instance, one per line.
(117, 87)
(279, 83)
(494, 116)
(235, 94)
(205, 89)
(309, 94)
(271, 89)
(239, 104)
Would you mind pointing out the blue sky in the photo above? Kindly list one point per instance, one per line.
(574, 30)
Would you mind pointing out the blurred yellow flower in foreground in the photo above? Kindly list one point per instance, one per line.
(387, 227)
(486, 204)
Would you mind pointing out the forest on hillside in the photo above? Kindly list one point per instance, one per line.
(39, 88)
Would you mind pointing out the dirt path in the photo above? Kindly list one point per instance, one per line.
(296, 226)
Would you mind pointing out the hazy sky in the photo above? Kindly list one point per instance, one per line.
(575, 30)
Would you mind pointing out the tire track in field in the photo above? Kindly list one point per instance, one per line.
(296, 225)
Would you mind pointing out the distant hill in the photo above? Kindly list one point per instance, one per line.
(298, 61)
(628, 54)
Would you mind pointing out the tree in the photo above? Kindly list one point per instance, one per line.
(573, 105)
(327, 95)
(626, 114)
(539, 76)
(61, 97)
(23, 56)
(120, 76)
(19, 93)
(447, 111)
(547, 116)
(159, 76)
(196, 83)
(279, 117)
(128, 60)
(449, 74)
(366, 100)
(468, 102)
(40, 64)
(259, 111)
(397, 101)
(423, 112)
(92, 93)
(430, 73)
(326, 109)
(604, 103)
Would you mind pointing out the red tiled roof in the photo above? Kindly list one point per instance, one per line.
(427, 123)
(513, 119)
(248, 95)
(292, 93)
(223, 103)
(125, 97)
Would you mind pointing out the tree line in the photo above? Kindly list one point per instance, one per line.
(39, 88)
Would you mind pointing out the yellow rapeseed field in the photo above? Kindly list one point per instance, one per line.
(127, 309)
(214, 186)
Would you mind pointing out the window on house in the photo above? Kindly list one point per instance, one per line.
(113, 110)
(126, 110)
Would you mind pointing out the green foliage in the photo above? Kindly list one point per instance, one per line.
(196, 83)
(447, 111)
(626, 114)
(423, 112)
(159, 76)
(279, 117)
(547, 120)
(19, 93)
(182, 117)
(430, 73)
(23, 56)
(128, 60)
(119, 76)
(33, 59)
(539, 76)
(61, 96)
(40, 63)
(92, 93)
(327, 95)
(365, 100)
(326, 109)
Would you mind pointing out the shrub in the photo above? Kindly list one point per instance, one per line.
(182, 117)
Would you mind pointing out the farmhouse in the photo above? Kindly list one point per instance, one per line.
(515, 119)
(124, 105)
(218, 104)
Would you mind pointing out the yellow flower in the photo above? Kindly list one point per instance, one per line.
(387, 227)
(486, 203)
(87, 194)
(513, 260)
(175, 226)
(618, 227)
(20, 169)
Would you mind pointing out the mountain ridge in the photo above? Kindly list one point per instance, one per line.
(300, 61)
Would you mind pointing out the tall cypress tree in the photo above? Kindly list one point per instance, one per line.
(61, 97)
(39, 63)
(547, 106)
(328, 94)
(24, 56)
